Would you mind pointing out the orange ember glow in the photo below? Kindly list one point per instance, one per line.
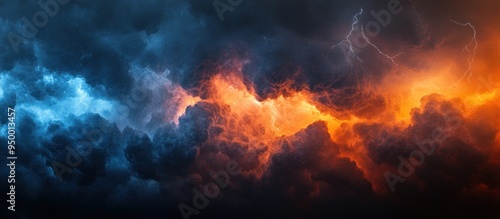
(279, 116)
(178, 103)
(258, 125)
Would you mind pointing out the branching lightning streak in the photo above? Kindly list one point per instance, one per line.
(472, 54)
(82, 94)
(351, 49)
(355, 21)
(378, 50)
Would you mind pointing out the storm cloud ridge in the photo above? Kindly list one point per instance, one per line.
(117, 114)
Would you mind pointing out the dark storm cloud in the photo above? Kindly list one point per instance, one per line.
(149, 167)
(439, 183)
(307, 169)
(102, 40)
(97, 41)
(114, 170)
(171, 149)
(306, 178)
(283, 40)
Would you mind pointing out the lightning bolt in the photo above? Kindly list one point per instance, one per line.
(347, 40)
(378, 50)
(83, 94)
(472, 54)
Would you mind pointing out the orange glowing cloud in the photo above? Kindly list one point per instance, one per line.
(259, 124)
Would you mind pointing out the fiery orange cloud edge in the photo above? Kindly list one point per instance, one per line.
(260, 123)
